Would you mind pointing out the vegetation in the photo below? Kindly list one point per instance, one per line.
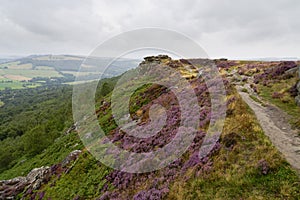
(236, 172)
(49, 70)
(284, 100)
(31, 120)
(35, 131)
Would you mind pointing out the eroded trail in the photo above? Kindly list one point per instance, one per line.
(276, 126)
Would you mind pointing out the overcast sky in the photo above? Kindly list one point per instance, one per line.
(224, 28)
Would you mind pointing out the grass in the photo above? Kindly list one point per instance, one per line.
(27, 73)
(17, 85)
(254, 98)
(86, 179)
(44, 68)
(234, 173)
(244, 90)
(8, 64)
(20, 67)
(30, 73)
(75, 73)
(286, 103)
(52, 155)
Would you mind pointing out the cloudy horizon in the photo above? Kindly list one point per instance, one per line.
(235, 30)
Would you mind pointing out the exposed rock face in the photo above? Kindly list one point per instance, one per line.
(157, 59)
(152, 61)
(9, 189)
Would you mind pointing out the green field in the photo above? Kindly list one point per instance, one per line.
(17, 85)
(13, 78)
(30, 73)
(75, 73)
(9, 64)
(44, 68)
(34, 71)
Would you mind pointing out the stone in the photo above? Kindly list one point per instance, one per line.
(71, 157)
(291, 71)
(37, 176)
(33, 181)
(297, 98)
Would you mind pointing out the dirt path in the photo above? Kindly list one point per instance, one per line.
(276, 126)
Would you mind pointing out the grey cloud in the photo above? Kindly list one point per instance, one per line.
(224, 28)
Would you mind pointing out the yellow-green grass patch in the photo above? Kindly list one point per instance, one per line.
(20, 67)
(30, 73)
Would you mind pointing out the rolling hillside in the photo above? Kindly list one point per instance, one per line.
(38, 70)
(43, 157)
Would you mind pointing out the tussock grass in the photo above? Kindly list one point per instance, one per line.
(235, 173)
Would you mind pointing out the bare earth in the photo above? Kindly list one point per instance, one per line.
(276, 126)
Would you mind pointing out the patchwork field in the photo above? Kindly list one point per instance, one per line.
(17, 85)
(30, 73)
(17, 77)
(34, 71)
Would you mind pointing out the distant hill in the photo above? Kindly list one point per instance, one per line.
(36, 70)
(277, 59)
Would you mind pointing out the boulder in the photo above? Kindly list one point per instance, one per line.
(292, 71)
(37, 176)
(9, 189)
(71, 157)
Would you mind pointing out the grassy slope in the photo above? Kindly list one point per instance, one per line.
(52, 155)
(286, 102)
(235, 174)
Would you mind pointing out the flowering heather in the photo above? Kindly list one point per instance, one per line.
(275, 73)
(156, 184)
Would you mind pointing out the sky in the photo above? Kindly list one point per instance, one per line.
(233, 29)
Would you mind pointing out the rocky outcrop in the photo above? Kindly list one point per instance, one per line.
(10, 189)
(156, 59)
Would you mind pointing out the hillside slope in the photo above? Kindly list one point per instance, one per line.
(244, 164)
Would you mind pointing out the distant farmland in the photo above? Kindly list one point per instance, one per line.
(34, 71)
